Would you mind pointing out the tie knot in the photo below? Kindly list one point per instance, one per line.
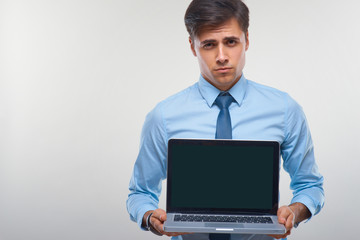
(224, 100)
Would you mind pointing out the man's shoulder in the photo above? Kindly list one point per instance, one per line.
(181, 97)
(264, 89)
(271, 95)
(177, 100)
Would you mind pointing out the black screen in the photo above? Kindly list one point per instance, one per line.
(217, 174)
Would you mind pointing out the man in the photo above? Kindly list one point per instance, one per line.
(219, 39)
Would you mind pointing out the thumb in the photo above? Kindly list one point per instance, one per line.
(282, 220)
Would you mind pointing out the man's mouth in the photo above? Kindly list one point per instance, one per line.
(223, 69)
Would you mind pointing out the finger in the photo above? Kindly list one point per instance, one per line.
(282, 220)
(157, 224)
(282, 214)
(280, 236)
(163, 217)
(290, 222)
(277, 236)
(174, 234)
(290, 218)
(286, 217)
(157, 220)
(159, 214)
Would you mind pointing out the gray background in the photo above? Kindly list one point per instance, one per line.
(78, 77)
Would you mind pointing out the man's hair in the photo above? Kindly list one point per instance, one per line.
(203, 14)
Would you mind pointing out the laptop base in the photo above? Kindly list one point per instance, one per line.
(224, 227)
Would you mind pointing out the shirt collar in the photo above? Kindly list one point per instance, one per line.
(210, 93)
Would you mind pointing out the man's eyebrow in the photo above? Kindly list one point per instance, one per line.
(232, 38)
(208, 41)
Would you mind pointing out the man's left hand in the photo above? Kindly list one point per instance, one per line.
(289, 215)
(286, 216)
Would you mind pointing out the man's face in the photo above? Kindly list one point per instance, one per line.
(221, 53)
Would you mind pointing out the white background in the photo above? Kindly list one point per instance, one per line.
(78, 77)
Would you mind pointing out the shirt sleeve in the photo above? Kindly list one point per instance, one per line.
(149, 169)
(299, 161)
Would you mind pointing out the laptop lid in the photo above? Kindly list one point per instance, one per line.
(223, 177)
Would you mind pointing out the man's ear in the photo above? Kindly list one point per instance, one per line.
(247, 40)
(192, 46)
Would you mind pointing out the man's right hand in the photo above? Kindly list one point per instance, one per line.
(157, 220)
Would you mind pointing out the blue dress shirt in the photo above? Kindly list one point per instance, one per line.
(258, 113)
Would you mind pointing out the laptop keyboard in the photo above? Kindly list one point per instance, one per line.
(217, 218)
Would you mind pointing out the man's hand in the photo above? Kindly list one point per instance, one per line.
(157, 220)
(286, 217)
(289, 215)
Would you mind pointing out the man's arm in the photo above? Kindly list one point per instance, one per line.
(299, 161)
(149, 169)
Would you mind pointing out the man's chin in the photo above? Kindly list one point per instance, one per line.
(224, 86)
(226, 83)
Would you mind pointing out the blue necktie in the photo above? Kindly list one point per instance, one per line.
(223, 131)
(223, 125)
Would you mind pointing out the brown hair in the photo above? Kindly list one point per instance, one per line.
(212, 13)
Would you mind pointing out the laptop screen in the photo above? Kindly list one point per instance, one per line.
(223, 176)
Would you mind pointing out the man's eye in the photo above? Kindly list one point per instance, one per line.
(232, 42)
(208, 45)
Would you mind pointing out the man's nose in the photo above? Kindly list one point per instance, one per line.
(221, 55)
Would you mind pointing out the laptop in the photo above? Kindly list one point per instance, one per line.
(223, 186)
